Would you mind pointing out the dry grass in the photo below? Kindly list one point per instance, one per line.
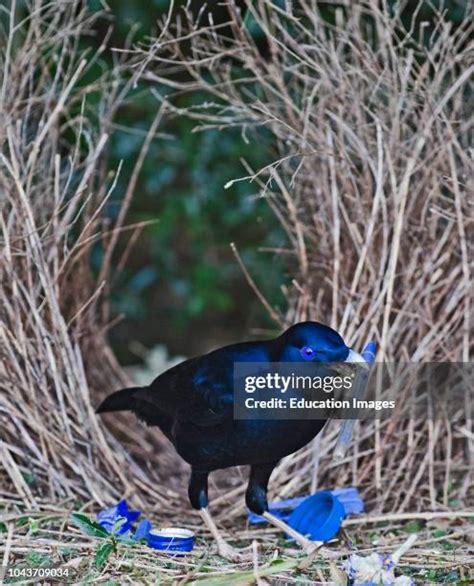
(372, 182)
(442, 553)
(54, 186)
(371, 186)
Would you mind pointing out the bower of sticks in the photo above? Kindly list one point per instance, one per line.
(371, 180)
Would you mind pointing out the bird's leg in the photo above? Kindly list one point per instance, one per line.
(224, 549)
(307, 545)
(198, 496)
(256, 495)
(256, 499)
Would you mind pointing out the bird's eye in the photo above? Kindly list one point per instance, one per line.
(307, 353)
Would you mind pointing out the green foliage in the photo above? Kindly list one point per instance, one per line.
(36, 559)
(445, 577)
(196, 219)
(183, 269)
(412, 527)
(29, 477)
(34, 525)
(87, 526)
(102, 553)
(108, 541)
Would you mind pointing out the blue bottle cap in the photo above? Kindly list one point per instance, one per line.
(319, 516)
(349, 497)
(171, 539)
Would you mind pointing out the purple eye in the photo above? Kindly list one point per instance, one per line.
(307, 353)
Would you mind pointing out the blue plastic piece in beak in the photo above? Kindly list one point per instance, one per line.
(369, 352)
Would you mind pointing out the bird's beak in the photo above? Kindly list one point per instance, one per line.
(355, 357)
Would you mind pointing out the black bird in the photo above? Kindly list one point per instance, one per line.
(192, 403)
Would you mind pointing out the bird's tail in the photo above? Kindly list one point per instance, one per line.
(119, 401)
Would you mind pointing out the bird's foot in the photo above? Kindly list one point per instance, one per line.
(231, 554)
(311, 547)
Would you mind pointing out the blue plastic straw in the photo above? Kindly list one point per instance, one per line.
(358, 391)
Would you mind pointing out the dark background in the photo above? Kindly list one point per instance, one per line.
(182, 286)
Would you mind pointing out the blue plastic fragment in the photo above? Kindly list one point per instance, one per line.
(319, 517)
(369, 352)
(349, 497)
(359, 388)
(109, 517)
(351, 500)
(143, 529)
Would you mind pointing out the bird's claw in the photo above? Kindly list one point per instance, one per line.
(231, 554)
(311, 548)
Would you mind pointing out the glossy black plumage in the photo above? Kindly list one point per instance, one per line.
(192, 403)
